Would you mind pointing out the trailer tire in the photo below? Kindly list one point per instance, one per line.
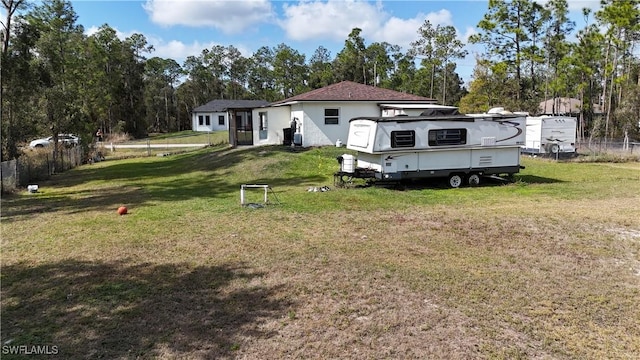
(473, 179)
(455, 180)
(553, 148)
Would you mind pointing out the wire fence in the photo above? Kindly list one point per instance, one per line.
(37, 165)
(612, 147)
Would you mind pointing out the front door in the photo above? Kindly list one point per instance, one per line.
(244, 128)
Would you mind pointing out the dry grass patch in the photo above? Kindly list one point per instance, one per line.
(356, 315)
(544, 268)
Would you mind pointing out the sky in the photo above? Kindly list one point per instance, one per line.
(180, 28)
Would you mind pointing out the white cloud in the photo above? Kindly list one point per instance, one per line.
(469, 32)
(173, 49)
(404, 31)
(397, 31)
(91, 30)
(177, 50)
(442, 17)
(578, 5)
(228, 16)
(334, 20)
(121, 35)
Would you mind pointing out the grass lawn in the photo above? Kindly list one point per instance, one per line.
(547, 267)
(185, 137)
(189, 137)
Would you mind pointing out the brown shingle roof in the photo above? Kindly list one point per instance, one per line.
(224, 105)
(352, 91)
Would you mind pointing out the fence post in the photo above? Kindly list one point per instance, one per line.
(16, 167)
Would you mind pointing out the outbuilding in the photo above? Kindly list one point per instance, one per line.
(216, 114)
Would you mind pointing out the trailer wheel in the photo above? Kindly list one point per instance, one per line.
(473, 179)
(553, 148)
(455, 180)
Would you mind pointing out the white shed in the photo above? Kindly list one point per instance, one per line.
(216, 114)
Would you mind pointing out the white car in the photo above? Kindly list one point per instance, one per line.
(67, 139)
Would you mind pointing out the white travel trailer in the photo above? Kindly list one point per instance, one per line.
(440, 143)
(550, 135)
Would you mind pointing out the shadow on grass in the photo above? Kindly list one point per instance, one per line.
(533, 179)
(207, 160)
(21, 207)
(213, 161)
(138, 183)
(125, 310)
(442, 183)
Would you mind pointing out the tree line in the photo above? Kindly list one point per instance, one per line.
(56, 79)
(531, 56)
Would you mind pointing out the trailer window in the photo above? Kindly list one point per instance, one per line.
(404, 138)
(447, 137)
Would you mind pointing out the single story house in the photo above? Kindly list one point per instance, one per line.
(321, 116)
(315, 118)
(215, 115)
(564, 106)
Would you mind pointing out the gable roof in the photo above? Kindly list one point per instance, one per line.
(224, 105)
(352, 91)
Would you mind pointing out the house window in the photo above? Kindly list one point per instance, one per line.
(263, 131)
(207, 120)
(200, 120)
(220, 119)
(403, 138)
(263, 121)
(446, 137)
(331, 116)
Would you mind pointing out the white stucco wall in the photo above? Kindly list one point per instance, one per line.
(195, 123)
(316, 133)
(311, 117)
(278, 118)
